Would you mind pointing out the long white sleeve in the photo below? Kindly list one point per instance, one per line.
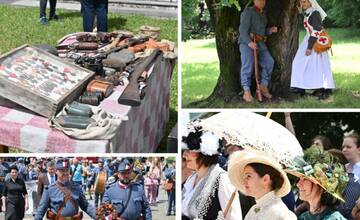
(224, 193)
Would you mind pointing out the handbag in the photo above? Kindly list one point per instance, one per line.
(168, 185)
(323, 42)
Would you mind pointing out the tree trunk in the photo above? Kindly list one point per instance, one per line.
(226, 22)
(282, 46)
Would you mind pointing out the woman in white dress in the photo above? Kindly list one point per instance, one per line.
(258, 175)
(312, 70)
(207, 191)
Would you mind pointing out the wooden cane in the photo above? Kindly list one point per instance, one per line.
(228, 205)
(256, 68)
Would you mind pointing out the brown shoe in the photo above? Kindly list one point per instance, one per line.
(265, 91)
(247, 96)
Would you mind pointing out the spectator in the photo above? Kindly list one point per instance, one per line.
(53, 16)
(89, 9)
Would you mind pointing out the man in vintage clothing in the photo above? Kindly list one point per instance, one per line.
(253, 22)
(128, 197)
(63, 198)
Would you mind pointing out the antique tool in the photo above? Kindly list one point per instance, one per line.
(76, 108)
(131, 94)
(256, 68)
(74, 121)
(102, 86)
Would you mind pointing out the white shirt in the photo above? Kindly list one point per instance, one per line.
(224, 193)
(270, 207)
(49, 178)
(355, 169)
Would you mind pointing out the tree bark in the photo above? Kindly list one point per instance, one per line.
(282, 46)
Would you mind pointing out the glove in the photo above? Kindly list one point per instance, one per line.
(220, 216)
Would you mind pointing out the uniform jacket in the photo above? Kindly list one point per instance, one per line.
(137, 206)
(252, 21)
(53, 197)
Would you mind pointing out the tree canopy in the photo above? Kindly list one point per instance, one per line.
(196, 20)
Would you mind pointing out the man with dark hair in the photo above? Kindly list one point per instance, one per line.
(253, 26)
(46, 179)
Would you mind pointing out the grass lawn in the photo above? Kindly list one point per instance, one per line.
(200, 64)
(21, 25)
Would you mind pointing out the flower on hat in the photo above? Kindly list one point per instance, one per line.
(321, 168)
(199, 141)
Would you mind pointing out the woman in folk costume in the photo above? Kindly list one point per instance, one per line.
(207, 191)
(321, 183)
(310, 69)
(259, 175)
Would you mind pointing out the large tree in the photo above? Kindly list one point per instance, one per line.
(282, 46)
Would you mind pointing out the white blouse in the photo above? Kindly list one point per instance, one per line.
(224, 193)
(270, 206)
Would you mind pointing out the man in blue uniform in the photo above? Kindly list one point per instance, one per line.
(128, 197)
(253, 23)
(63, 198)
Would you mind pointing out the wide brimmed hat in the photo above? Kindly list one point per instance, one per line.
(240, 159)
(320, 168)
(251, 131)
(201, 141)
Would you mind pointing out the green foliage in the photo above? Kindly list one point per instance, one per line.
(195, 20)
(332, 125)
(341, 13)
(229, 3)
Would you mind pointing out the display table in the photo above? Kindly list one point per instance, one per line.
(142, 131)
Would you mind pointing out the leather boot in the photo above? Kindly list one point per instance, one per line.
(247, 96)
(265, 91)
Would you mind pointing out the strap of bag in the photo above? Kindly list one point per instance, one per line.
(67, 196)
(127, 202)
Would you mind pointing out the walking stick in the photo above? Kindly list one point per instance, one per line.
(228, 205)
(256, 68)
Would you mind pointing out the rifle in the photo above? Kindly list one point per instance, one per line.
(256, 65)
(134, 91)
(95, 63)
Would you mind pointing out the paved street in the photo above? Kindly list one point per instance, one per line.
(114, 6)
(158, 211)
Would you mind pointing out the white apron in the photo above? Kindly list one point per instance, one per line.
(311, 72)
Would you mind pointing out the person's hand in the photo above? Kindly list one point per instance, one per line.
(26, 206)
(252, 45)
(299, 7)
(274, 29)
(220, 216)
(308, 52)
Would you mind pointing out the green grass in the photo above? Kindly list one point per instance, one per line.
(21, 26)
(200, 64)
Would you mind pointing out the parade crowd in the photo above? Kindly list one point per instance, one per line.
(130, 185)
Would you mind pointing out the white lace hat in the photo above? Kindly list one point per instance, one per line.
(252, 131)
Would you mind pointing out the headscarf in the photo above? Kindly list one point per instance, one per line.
(318, 8)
